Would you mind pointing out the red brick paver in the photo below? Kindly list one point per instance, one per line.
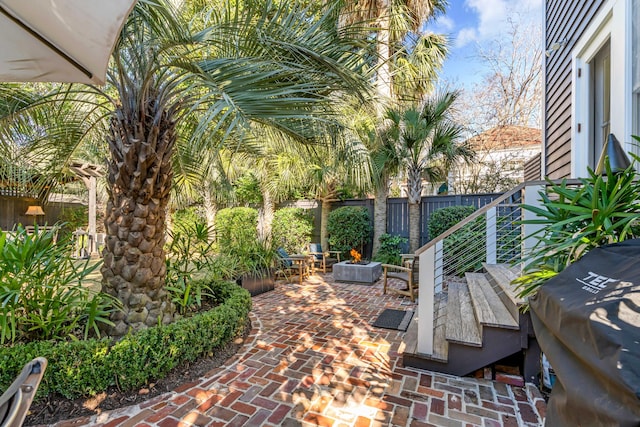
(313, 358)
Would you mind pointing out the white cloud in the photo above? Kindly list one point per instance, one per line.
(493, 15)
(444, 24)
(466, 36)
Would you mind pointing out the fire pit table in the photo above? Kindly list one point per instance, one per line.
(367, 273)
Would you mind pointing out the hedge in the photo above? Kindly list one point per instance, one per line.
(85, 368)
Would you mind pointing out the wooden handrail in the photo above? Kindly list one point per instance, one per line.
(491, 205)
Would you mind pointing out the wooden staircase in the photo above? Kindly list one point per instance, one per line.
(477, 323)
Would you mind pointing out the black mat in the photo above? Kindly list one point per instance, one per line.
(394, 319)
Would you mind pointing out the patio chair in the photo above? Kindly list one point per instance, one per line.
(406, 273)
(16, 400)
(322, 259)
(292, 265)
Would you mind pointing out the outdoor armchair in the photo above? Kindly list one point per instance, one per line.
(16, 400)
(292, 265)
(322, 259)
(406, 273)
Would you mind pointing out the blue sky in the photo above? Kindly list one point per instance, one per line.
(474, 23)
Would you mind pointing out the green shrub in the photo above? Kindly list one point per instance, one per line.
(390, 249)
(463, 250)
(443, 219)
(236, 228)
(186, 218)
(85, 368)
(349, 228)
(292, 229)
(41, 290)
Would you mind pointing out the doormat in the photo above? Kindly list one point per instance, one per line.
(394, 319)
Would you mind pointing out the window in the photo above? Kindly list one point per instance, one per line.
(600, 70)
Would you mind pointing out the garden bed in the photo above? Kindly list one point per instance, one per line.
(55, 407)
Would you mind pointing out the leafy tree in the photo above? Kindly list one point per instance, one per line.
(270, 64)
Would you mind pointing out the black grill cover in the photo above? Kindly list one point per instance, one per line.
(587, 321)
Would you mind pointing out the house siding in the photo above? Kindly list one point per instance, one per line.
(564, 20)
(533, 169)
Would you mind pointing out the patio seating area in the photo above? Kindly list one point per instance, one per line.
(313, 358)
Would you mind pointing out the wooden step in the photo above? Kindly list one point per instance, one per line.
(500, 277)
(489, 308)
(440, 345)
(462, 326)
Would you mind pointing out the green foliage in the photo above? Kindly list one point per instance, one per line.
(41, 290)
(291, 229)
(248, 189)
(465, 249)
(188, 253)
(462, 249)
(443, 219)
(349, 228)
(390, 249)
(238, 238)
(75, 217)
(235, 227)
(575, 219)
(187, 218)
(85, 368)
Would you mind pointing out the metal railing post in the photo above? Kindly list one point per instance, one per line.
(492, 236)
(427, 262)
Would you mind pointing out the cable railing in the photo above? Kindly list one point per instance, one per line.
(494, 234)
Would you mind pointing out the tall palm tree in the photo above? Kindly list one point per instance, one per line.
(426, 142)
(274, 65)
(404, 66)
(407, 63)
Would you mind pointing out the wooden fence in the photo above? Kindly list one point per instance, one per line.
(398, 213)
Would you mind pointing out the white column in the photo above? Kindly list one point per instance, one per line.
(426, 301)
(492, 236)
(93, 247)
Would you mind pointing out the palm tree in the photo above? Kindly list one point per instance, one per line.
(426, 143)
(405, 67)
(273, 65)
(407, 64)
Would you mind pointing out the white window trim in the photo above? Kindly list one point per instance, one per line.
(612, 22)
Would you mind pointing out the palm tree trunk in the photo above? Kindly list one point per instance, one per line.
(265, 216)
(324, 220)
(414, 184)
(139, 180)
(414, 227)
(383, 77)
(379, 215)
(210, 211)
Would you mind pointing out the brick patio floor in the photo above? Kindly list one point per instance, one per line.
(313, 358)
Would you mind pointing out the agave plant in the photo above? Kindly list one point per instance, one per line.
(603, 209)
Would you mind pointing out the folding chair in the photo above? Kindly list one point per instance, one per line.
(16, 400)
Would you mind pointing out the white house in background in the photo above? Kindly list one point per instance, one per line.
(592, 80)
(501, 155)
